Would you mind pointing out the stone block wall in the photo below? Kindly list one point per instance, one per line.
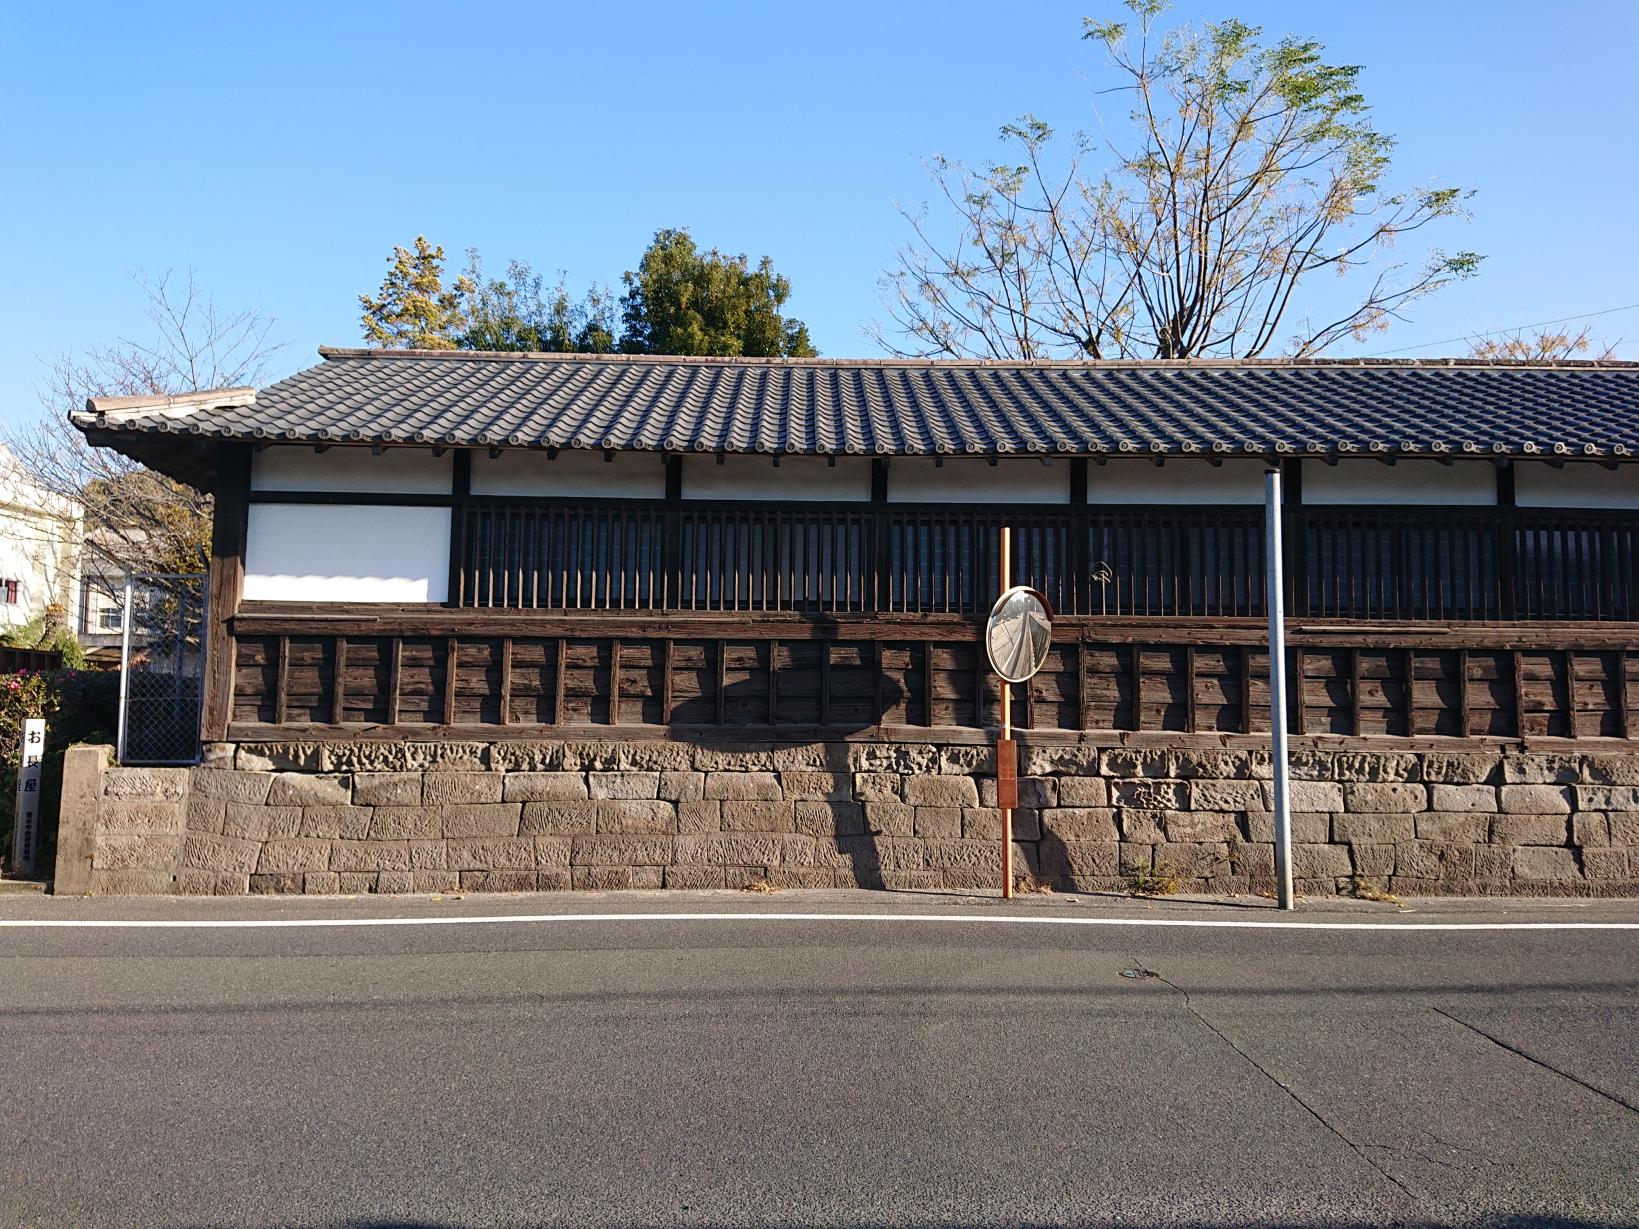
(528, 816)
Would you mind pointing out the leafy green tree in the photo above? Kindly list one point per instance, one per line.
(680, 300)
(414, 311)
(1199, 228)
(518, 313)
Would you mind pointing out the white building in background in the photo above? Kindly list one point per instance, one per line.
(41, 535)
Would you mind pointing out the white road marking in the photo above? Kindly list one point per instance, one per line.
(518, 919)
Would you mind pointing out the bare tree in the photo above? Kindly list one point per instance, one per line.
(1248, 169)
(1542, 345)
(140, 519)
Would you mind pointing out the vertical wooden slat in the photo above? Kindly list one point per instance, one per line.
(1084, 699)
(773, 682)
(452, 656)
(1462, 693)
(666, 653)
(981, 681)
(395, 679)
(506, 680)
(722, 682)
(927, 683)
(1246, 689)
(614, 682)
(1623, 728)
(1301, 724)
(1356, 722)
(1410, 700)
(1518, 664)
(558, 681)
(1189, 689)
(460, 557)
(281, 686)
(1574, 725)
(1136, 666)
(825, 681)
(879, 698)
(338, 693)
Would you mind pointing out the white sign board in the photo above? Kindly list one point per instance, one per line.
(25, 831)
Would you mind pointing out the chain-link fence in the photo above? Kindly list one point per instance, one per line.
(162, 669)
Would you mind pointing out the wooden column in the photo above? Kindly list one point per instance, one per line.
(460, 493)
(225, 585)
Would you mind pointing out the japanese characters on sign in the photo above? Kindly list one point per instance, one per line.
(25, 838)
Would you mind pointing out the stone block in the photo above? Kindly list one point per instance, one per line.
(498, 853)
(406, 823)
(1462, 769)
(1047, 760)
(370, 856)
(277, 757)
(1321, 862)
(702, 816)
(574, 815)
(615, 849)
(1144, 827)
(389, 789)
(321, 883)
(1149, 795)
(1196, 859)
(734, 757)
(217, 755)
(1382, 796)
(933, 791)
(1078, 824)
(1590, 829)
(915, 758)
(204, 814)
(758, 817)
(130, 815)
(1537, 769)
(1033, 791)
(1533, 863)
(682, 786)
(450, 788)
(1606, 797)
(1478, 798)
(1128, 762)
(274, 883)
(1083, 792)
(507, 880)
(436, 880)
(543, 787)
(464, 819)
(878, 787)
(216, 853)
(1077, 860)
(1493, 863)
(811, 786)
(1134, 856)
(1213, 794)
(801, 877)
(1214, 765)
(648, 878)
(654, 755)
(551, 851)
(743, 786)
(623, 785)
(193, 882)
(939, 823)
(1376, 767)
(510, 757)
(293, 857)
(429, 855)
(1373, 827)
(230, 785)
(821, 757)
(127, 851)
(1374, 861)
(358, 883)
(395, 882)
(979, 760)
(1463, 827)
(891, 819)
(647, 815)
(446, 757)
(1308, 827)
(363, 756)
(1194, 827)
(303, 789)
(1624, 827)
(1530, 829)
(1611, 769)
(966, 855)
(1433, 860)
(255, 823)
(1605, 863)
(693, 878)
(349, 822)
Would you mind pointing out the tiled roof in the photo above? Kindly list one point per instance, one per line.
(892, 407)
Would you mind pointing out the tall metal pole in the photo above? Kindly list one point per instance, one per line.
(1007, 731)
(1274, 599)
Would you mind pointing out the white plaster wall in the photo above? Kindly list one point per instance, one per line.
(396, 471)
(1185, 481)
(347, 553)
(1539, 485)
(970, 480)
(1465, 483)
(523, 471)
(797, 478)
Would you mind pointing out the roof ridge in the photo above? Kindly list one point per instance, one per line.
(1149, 364)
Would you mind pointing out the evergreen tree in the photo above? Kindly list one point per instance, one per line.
(413, 310)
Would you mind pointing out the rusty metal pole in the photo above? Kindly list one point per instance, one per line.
(1004, 745)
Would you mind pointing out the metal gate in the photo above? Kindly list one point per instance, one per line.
(162, 668)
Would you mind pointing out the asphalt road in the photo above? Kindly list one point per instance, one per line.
(833, 1071)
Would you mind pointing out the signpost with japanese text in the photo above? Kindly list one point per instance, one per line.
(25, 832)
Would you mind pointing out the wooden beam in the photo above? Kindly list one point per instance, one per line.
(452, 658)
(668, 648)
(1084, 698)
(558, 681)
(1462, 692)
(773, 681)
(1624, 727)
(224, 586)
(614, 682)
(1189, 690)
(1246, 689)
(1519, 693)
(825, 681)
(460, 493)
(281, 686)
(506, 680)
(1136, 682)
(928, 650)
(721, 689)
(1570, 693)
(395, 681)
(1356, 720)
(338, 692)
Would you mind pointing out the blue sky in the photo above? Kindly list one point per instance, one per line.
(280, 150)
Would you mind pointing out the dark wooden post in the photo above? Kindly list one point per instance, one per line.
(1507, 543)
(225, 585)
(671, 540)
(1080, 588)
(881, 551)
(460, 493)
(1294, 540)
